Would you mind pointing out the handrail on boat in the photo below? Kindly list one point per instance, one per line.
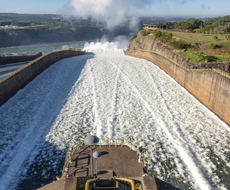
(90, 182)
(76, 146)
(126, 181)
(65, 168)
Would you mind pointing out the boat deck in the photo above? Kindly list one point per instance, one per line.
(114, 161)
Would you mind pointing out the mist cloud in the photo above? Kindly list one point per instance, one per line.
(112, 12)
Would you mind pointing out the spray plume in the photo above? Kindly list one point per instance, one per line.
(112, 12)
(119, 42)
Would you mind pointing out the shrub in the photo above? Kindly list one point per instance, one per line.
(169, 35)
(158, 34)
(215, 37)
(214, 46)
(145, 32)
(227, 29)
(195, 44)
(132, 38)
(212, 58)
(190, 30)
(227, 37)
(180, 44)
(197, 30)
(166, 37)
(163, 36)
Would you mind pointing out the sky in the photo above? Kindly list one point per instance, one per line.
(166, 8)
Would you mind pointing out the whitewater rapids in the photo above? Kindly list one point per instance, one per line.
(109, 94)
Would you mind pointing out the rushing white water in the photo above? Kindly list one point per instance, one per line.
(111, 95)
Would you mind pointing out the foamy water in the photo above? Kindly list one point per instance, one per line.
(109, 94)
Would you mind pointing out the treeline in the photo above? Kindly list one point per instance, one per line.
(23, 29)
(17, 37)
(31, 29)
(219, 25)
(159, 20)
(50, 23)
(27, 17)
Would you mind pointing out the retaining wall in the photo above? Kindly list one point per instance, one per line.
(209, 86)
(10, 84)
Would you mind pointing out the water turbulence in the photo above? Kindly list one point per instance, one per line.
(109, 94)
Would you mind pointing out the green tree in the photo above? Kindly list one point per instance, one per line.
(183, 25)
(227, 29)
(189, 24)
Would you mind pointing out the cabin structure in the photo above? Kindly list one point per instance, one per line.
(106, 164)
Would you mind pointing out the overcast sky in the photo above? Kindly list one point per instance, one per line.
(169, 8)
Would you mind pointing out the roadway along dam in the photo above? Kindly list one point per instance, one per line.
(111, 95)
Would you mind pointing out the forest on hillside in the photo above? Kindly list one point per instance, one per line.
(20, 29)
(220, 25)
(25, 29)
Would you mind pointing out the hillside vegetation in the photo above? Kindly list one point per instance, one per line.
(199, 41)
(17, 29)
(24, 29)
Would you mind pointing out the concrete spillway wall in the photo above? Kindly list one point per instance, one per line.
(210, 86)
(10, 84)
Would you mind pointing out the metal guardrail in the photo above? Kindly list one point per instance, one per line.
(223, 73)
(65, 167)
(125, 181)
(77, 146)
(90, 182)
(119, 142)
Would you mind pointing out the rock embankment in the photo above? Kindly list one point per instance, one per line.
(149, 43)
(208, 82)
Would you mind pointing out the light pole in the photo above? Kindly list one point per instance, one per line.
(91, 140)
(96, 155)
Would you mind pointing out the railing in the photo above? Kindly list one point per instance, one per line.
(223, 73)
(119, 142)
(65, 167)
(68, 160)
(125, 181)
(90, 182)
(77, 146)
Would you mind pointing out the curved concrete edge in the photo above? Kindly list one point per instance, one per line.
(210, 88)
(12, 83)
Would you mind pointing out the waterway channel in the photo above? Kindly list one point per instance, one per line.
(108, 94)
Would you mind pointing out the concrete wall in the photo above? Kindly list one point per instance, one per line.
(10, 84)
(210, 86)
(15, 59)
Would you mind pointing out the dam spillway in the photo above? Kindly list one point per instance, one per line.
(109, 94)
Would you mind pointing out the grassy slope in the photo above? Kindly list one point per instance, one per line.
(198, 55)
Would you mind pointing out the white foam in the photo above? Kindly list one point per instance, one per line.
(118, 44)
(114, 96)
(106, 51)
